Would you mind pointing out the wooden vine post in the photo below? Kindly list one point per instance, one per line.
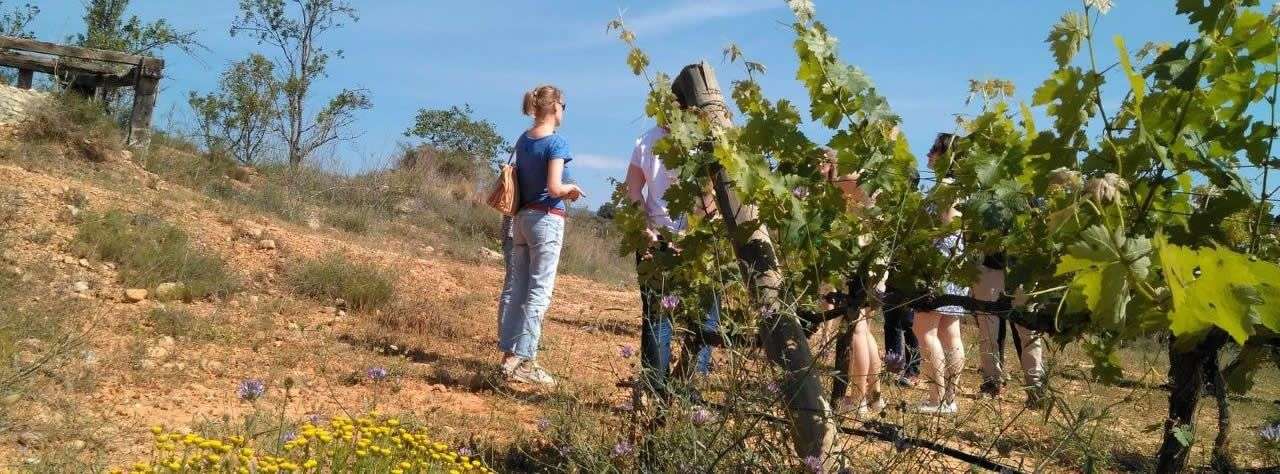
(783, 337)
(92, 73)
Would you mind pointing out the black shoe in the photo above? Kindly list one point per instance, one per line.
(991, 389)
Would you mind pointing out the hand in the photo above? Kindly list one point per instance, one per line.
(574, 193)
(653, 236)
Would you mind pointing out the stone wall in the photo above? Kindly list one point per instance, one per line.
(14, 102)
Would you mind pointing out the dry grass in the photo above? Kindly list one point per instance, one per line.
(78, 126)
(151, 252)
(362, 287)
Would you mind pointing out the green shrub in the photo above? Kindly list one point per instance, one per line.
(177, 164)
(350, 220)
(75, 124)
(363, 287)
(177, 322)
(150, 252)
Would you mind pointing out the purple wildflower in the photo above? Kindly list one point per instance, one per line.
(377, 374)
(626, 351)
(251, 389)
(464, 451)
(544, 424)
(894, 362)
(772, 388)
(813, 463)
(800, 192)
(766, 311)
(1271, 433)
(288, 436)
(670, 302)
(626, 406)
(623, 448)
(700, 416)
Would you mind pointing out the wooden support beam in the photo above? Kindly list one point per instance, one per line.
(35, 46)
(784, 339)
(25, 77)
(144, 102)
(49, 65)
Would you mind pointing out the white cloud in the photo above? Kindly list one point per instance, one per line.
(599, 162)
(694, 13)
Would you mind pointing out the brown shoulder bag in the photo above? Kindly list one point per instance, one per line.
(506, 191)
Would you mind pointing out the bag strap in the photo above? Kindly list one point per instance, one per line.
(511, 159)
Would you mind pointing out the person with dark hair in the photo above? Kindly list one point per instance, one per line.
(989, 286)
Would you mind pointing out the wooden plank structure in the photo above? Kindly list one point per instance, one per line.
(91, 72)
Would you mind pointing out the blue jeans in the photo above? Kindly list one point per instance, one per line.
(655, 340)
(504, 298)
(535, 254)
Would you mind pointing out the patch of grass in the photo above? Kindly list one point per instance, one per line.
(41, 237)
(77, 125)
(363, 287)
(350, 220)
(76, 197)
(34, 337)
(150, 252)
(180, 323)
(591, 250)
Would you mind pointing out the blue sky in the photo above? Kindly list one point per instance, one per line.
(486, 53)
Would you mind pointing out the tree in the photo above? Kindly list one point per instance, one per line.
(105, 27)
(16, 21)
(454, 131)
(237, 118)
(606, 211)
(294, 29)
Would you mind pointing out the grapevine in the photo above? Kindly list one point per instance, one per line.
(1123, 220)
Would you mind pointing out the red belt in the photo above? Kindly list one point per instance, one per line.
(555, 211)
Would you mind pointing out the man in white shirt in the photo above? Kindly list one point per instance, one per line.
(647, 182)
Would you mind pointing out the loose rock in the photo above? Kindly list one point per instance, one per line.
(134, 295)
(490, 254)
(29, 439)
(80, 286)
(169, 291)
(157, 352)
(267, 244)
(249, 229)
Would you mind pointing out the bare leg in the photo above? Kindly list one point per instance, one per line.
(871, 351)
(926, 330)
(953, 347)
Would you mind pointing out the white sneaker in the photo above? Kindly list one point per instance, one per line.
(944, 408)
(530, 372)
(876, 406)
(509, 365)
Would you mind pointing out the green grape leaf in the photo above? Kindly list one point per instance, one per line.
(1068, 93)
(1102, 264)
(1185, 434)
(1239, 374)
(638, 61)
(1214, 286)
(1136, 83)
(1066, 36)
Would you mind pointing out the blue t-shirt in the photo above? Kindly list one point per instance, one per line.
(532, 157)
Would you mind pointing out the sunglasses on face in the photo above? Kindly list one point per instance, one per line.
(564, 106)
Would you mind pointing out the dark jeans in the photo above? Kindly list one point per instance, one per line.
(656, 331)
(899, 339)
